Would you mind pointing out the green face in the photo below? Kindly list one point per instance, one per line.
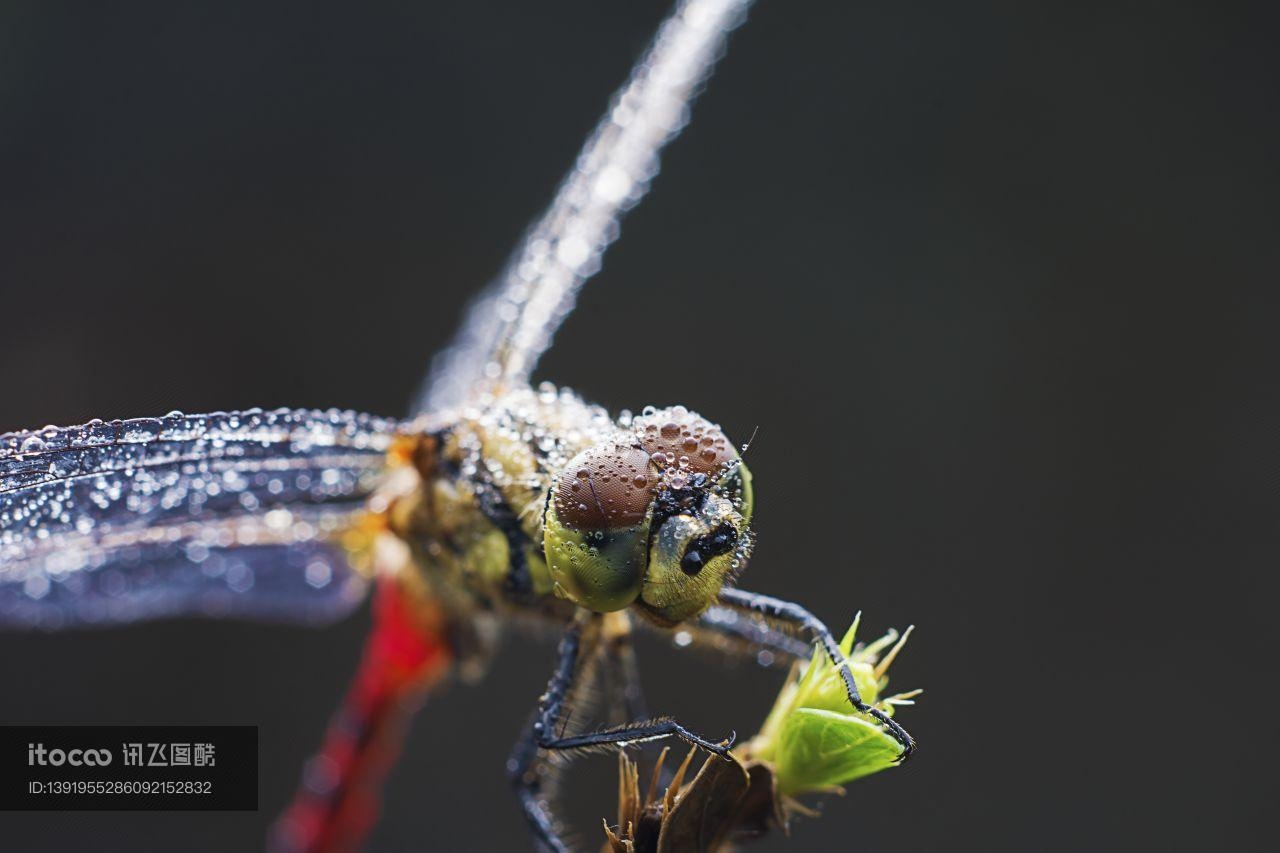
(659, 522)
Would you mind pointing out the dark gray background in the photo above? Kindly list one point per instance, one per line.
(988, 277)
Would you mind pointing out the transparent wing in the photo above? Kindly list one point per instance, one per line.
(511, 324)
(226, 514)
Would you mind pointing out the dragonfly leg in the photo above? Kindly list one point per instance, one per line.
(626, 693)
(530, 755)
(728, 622)
(526, 779)
(787, 611)
(524, 767)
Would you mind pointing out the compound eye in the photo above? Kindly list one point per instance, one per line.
(596, 528)
(676, 437)
(605, 489)
(736, 486)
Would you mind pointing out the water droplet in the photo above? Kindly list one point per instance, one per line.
(240, 578)
(36, 586)
(318, 574)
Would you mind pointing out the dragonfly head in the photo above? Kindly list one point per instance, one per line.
(657, 518)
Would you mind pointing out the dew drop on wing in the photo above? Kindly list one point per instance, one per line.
(226, 514)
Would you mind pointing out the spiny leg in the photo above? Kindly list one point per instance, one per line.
(736, 626)
(529, 755)
(786, 611)
(524, 767)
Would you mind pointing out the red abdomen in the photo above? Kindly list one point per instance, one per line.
(337, 804)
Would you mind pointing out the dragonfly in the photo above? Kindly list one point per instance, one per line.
(495, 502)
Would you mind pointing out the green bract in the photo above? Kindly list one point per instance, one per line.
(813, 737)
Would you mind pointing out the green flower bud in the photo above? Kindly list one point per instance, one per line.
(814, 738)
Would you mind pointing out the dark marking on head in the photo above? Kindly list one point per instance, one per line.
(722, 540)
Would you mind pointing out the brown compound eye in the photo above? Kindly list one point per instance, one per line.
(678, 437)
(605, 489)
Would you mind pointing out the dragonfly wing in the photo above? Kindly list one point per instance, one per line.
(227, 514)
(511, 324)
